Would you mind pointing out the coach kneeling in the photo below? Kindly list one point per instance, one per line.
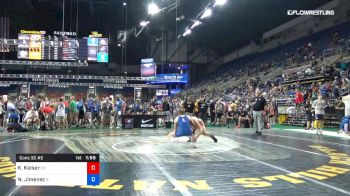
(258, 108)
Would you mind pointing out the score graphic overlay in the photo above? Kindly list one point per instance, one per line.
(57, 170)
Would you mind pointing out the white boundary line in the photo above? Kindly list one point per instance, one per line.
(170, 178)
(11, 139)
(6, 142)
(324, 132)
(114, 146)
(308, 139)
(289, 172)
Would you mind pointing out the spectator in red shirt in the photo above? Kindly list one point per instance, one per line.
(49, 114)
(299, 98)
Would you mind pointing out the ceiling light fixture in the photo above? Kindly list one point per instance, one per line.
(153, 9)
(196, 23)
(220, 2)
(144, 23)
(187, 32)
(207, 13)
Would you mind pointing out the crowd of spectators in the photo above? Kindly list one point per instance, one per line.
(312, 67)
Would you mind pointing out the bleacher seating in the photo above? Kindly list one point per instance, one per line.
(307, 60)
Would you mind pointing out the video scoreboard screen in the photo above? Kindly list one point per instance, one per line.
(148, 68)
(97, 49)
(36, 45)
(30, 45)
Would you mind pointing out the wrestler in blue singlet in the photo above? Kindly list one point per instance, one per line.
(183, 127)
(344, 121)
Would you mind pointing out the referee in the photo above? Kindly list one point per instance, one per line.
(258, 109)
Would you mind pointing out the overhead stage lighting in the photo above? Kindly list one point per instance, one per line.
(196, 23)
(187, 32)
(153, 9)
(144, 23)
(220, 2)
(206, 13)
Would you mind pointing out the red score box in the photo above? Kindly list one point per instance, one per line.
(93, 168)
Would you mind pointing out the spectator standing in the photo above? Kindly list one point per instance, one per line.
(72, 112)
(219, 110)
(189, 106)
(95, 114)
(117, 112)
(319, 106)
(106, 108)
(339, 109)
(308, 113)
(258, 109)
(2, 112)
(299, 99)
(61, 113)
(166, 110)
(81, 112)
(203, 110)
(212, 111)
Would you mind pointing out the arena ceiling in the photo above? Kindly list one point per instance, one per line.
(230, 27)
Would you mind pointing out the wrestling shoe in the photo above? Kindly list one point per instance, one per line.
(214, 138)
(189, 139)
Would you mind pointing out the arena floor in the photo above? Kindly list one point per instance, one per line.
(144, 162)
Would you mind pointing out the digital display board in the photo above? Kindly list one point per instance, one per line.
(137, 94)
(69, 49)
(36, 45)
(97, 49)
(171, 78)
(148, 70)
(102, 53)
(30, 45)
(23, 46)
(145, 61)
(162, 92)
(175, 91)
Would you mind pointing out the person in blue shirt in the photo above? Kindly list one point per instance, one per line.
(117, 112)
(81, 112)
(183, 126)
(95, 109)
(136, 108)
(89, 104)
(344, 125)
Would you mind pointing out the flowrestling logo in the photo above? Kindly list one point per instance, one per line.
(310, 12)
